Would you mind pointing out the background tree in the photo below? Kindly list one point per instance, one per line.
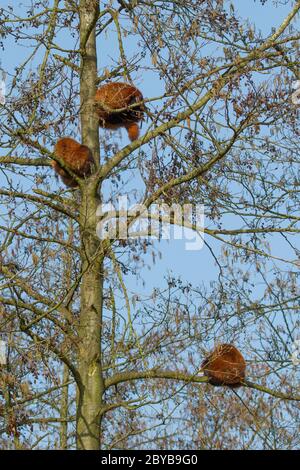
(90, 363)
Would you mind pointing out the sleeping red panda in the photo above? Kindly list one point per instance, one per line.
(119, 95)
(76, 156)
(225, 365)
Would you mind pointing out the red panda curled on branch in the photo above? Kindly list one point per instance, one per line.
(113, 96)
(225, 365)
(76, 156)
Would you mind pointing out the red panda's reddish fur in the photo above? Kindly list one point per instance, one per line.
(76, 156)
(117, 95)
(133, 131)
(225, 365)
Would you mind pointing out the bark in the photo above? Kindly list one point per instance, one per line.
(64, 407)
(91, 388)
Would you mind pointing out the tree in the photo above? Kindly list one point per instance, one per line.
(89, 364)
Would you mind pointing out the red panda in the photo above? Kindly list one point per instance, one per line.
(77, 157)
(119, 95)
(225, 365)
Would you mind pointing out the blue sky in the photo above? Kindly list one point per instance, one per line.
(195, 267)
(198, 266)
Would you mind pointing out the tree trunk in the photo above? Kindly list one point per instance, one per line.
(90, 391)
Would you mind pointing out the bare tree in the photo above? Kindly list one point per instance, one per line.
(91, 364)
